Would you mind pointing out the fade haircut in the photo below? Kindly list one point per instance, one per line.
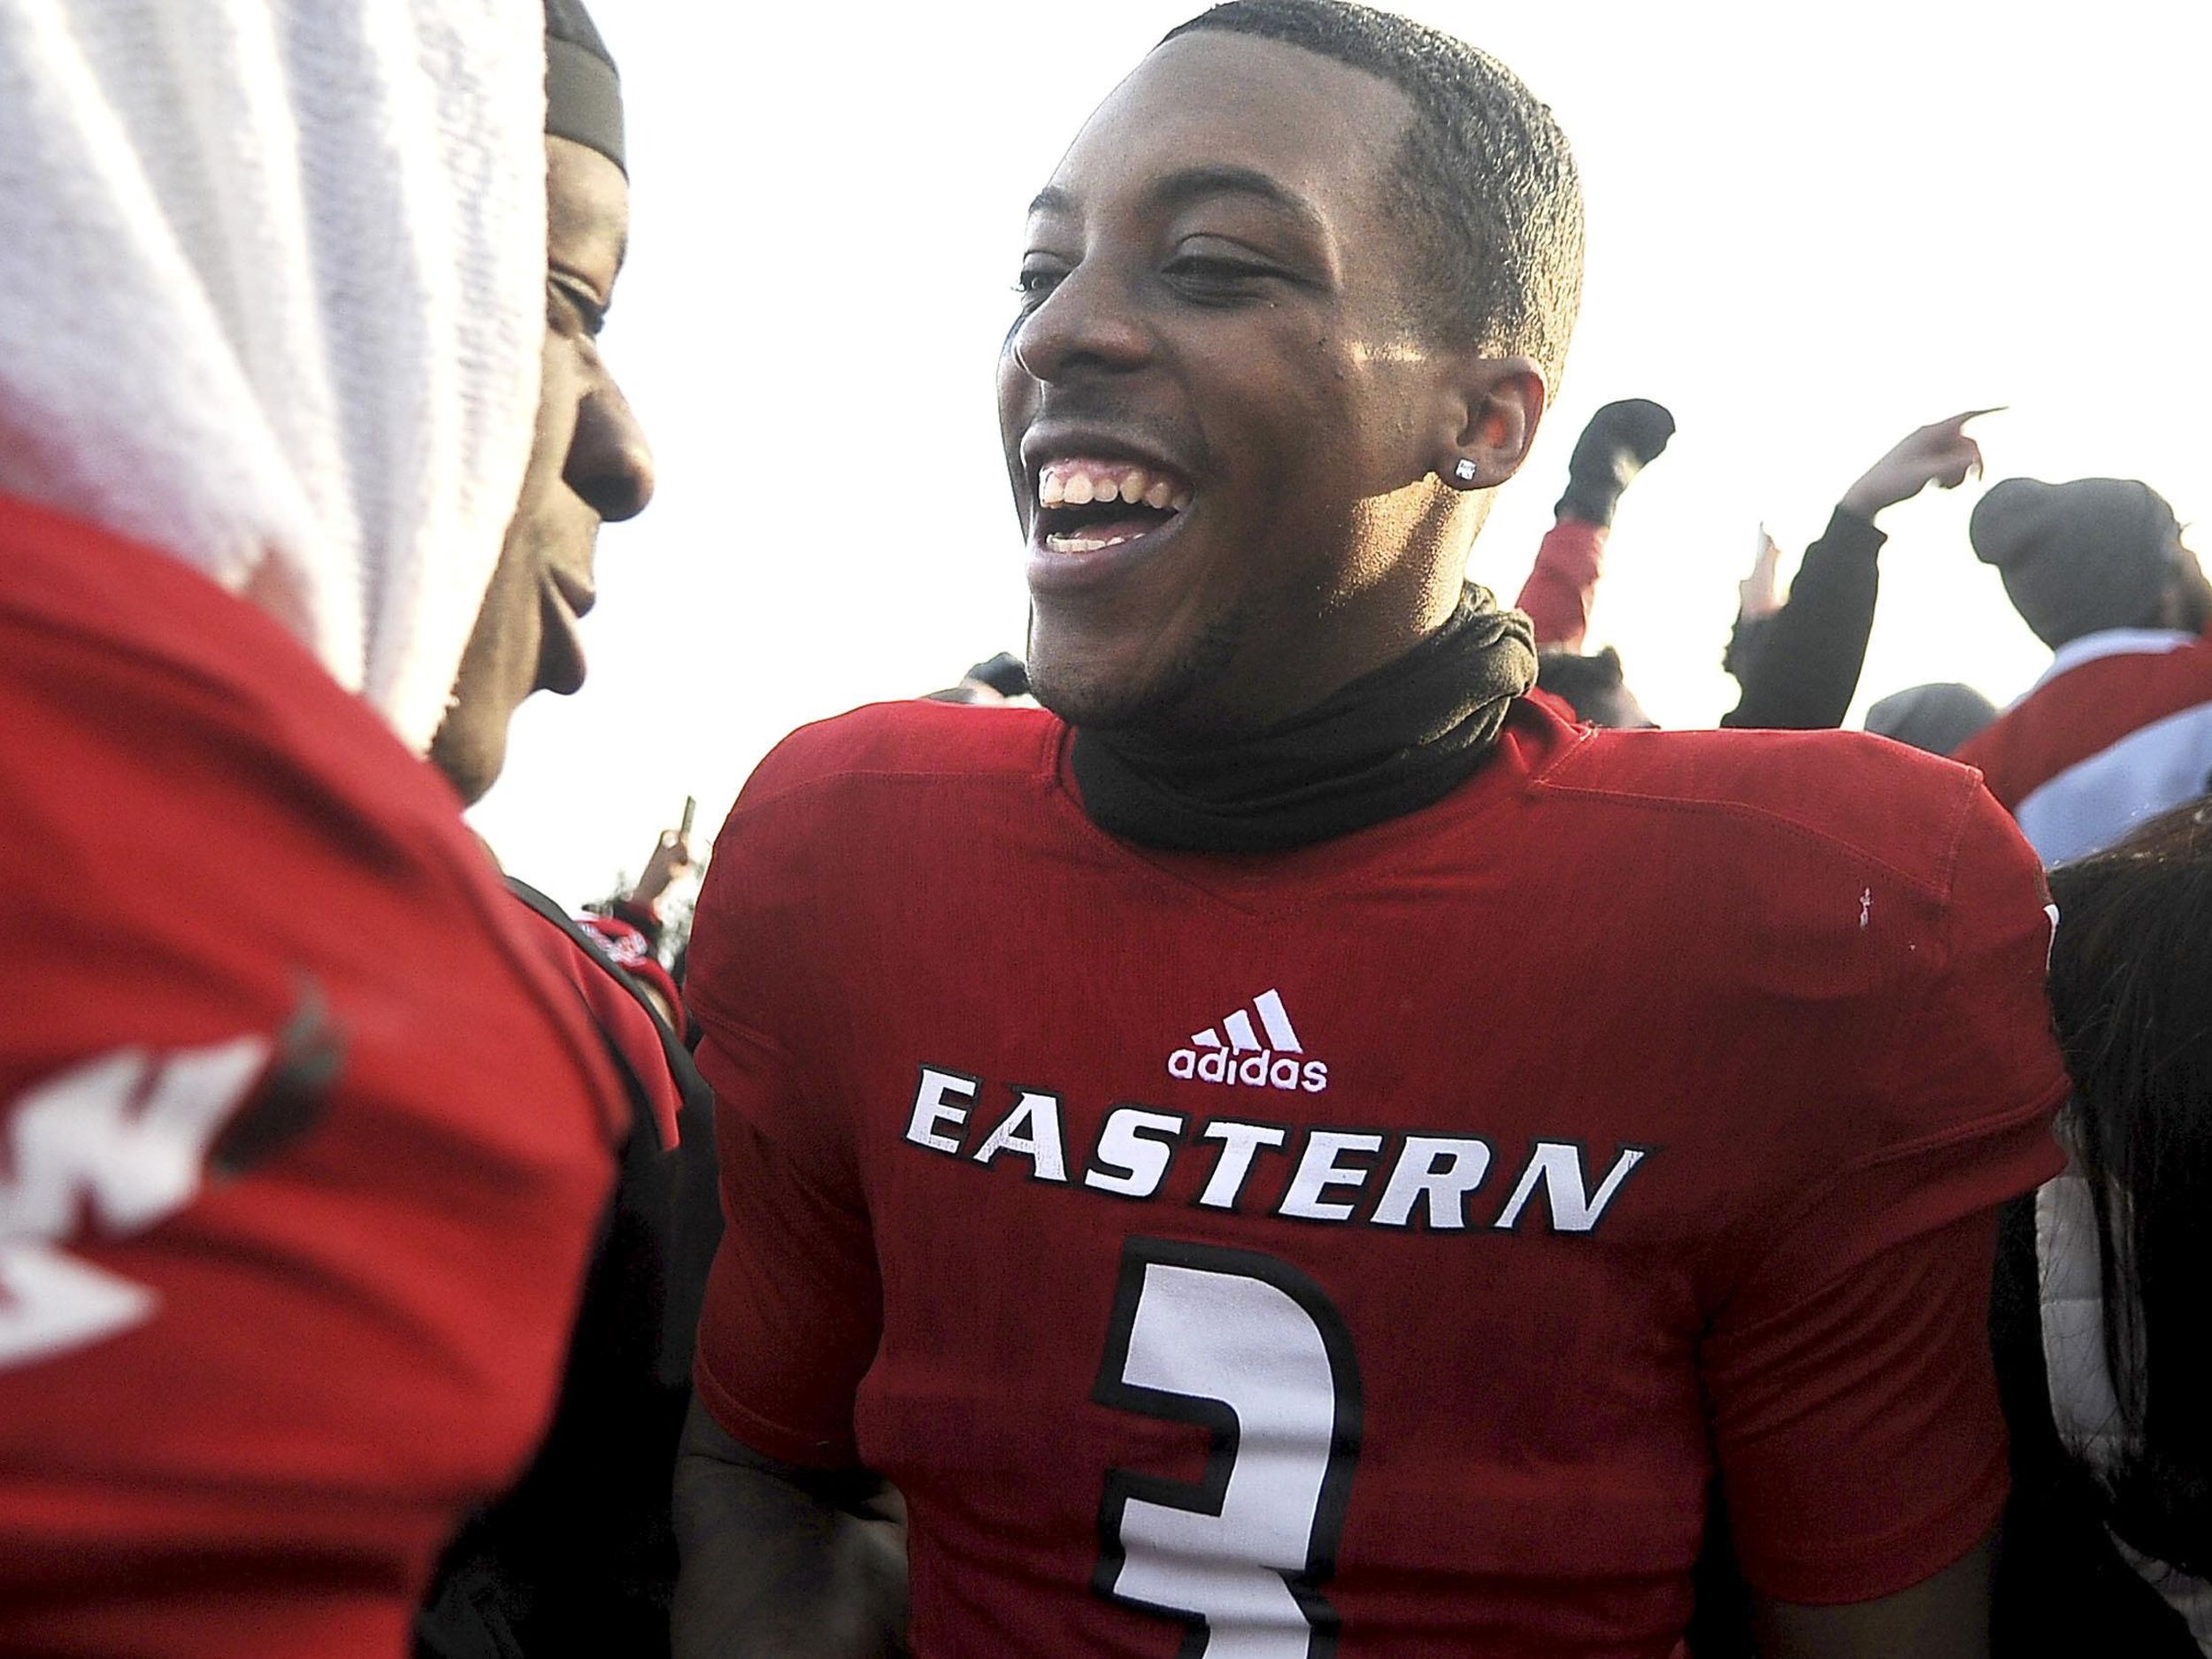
(1483, 181)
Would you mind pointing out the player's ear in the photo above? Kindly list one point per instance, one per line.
(1492, 407)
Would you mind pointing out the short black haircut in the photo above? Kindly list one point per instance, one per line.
(1581, 683)
(1484, 180)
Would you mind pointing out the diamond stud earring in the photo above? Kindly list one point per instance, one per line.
(1465, 472)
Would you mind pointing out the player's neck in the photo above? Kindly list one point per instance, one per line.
(1394, 740)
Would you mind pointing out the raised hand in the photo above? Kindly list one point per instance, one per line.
(1941, 455)
(672, 856)
(1756, 595)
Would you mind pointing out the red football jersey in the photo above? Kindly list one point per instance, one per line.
(302, 1148)
(2117, 730)
(1388, 1240)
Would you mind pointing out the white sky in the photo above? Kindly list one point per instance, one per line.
(1812, 227)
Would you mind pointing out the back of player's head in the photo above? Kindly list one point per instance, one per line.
(2082, 556)
(2132, 990)
(1484, 182)
(1592, 686)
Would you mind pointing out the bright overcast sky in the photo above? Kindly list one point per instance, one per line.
(1812, 227)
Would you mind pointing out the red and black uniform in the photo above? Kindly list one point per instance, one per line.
(581, 1554)
(1392, 1237)
(2118, 729)
(285, 1276)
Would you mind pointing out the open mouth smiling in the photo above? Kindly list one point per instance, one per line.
(1087, 506)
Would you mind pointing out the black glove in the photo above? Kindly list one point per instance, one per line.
(1619, 441)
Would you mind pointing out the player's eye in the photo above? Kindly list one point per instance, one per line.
(1036, 282)
(1210, 277)
(588, 311)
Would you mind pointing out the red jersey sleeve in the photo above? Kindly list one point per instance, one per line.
(1855, 1408)
(1563, 586)
(629, 1031)
(794, 1305)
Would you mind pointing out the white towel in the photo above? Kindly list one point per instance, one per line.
(272, 298)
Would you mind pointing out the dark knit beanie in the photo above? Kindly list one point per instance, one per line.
(1937, 718)
(583, 92)
(2078, 557)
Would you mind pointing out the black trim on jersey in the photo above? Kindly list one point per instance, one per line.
(1221, 1150)
(292, 1096)
(1096, 1164)
(694, 1199)
(1207, 1496)
(678, 1058)
(507, 1582)
(967, 1116)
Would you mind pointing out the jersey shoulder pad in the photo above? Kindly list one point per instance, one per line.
(1848, 795)
(915, 739)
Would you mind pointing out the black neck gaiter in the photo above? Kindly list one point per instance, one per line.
(1390, 743)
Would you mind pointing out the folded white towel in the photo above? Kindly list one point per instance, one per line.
(272, 297)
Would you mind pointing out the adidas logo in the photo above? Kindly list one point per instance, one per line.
(1242, 1056)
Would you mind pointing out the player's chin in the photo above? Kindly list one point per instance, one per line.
(497, 675)
(1105, 675)
(471, 748)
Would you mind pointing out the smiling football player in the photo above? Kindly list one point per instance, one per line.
(1427, 1153)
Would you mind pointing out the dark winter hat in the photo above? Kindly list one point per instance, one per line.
(583, 91)
(1937, 718)
(2096, 553)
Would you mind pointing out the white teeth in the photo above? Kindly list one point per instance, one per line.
(1085, 544)
(1074, 484)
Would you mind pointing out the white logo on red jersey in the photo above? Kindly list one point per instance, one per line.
(1244, 1058)
(1440, 1182)
(120, 1142)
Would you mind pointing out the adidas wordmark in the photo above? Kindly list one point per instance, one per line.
(1264, 1059)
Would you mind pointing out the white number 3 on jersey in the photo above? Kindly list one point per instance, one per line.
(1249, 1347)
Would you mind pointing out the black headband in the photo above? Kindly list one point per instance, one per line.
(583, 91)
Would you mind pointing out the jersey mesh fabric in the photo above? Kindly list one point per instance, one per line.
(1749, 1028)
(354, 1335)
